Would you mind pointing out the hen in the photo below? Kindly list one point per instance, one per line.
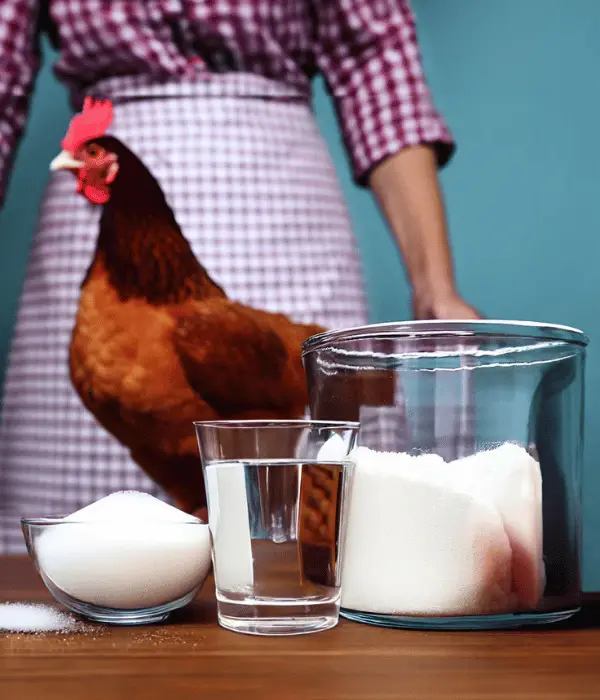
(157, 344)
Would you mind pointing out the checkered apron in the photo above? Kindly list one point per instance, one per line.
(255, 193)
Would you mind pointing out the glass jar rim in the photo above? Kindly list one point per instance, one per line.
(449, 329)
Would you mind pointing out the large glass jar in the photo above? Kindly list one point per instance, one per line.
(465, 505)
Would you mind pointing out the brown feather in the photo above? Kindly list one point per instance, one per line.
(157, 345)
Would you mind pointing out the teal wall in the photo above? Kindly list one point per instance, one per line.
(517, 81)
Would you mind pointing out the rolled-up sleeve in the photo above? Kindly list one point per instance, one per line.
(368, 53)
(19, 63)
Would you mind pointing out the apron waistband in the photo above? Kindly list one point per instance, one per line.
(122, 89)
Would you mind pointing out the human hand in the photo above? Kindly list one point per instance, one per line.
(449, 307)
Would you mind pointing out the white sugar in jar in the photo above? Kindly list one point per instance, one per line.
(431, 538)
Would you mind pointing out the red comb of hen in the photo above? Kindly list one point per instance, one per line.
(92, 122)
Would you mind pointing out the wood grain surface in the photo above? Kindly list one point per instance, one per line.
(193, 657)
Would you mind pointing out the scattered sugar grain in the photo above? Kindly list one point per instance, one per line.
(35, 619)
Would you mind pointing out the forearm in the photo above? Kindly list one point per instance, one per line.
(407, 188)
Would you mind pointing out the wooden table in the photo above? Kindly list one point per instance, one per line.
(193, 657)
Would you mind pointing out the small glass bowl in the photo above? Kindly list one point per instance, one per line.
(133, 574)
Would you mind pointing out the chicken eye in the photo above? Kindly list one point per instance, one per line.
(93, 151)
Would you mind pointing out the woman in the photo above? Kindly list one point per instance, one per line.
(214, 96)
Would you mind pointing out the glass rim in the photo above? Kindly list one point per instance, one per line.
(61, 520)
(456, 328)
(274, 423)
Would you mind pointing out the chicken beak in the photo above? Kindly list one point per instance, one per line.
(65, 161)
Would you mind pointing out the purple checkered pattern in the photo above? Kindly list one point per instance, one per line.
(255, 193)
(233, 142)
(366, 49)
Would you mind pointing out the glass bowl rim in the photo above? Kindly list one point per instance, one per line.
(61, 520)
(445, 328)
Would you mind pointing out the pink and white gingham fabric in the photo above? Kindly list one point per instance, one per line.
(214, 96)
(254, 192)
(366, 49)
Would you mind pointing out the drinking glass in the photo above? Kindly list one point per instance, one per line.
(276, 502)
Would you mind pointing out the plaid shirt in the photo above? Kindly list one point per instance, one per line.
(366, 50)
